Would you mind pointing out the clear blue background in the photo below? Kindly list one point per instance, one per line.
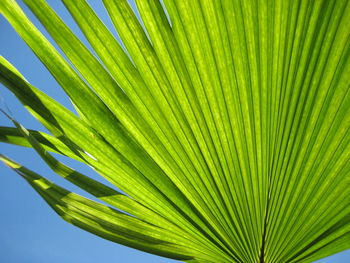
(30, 232)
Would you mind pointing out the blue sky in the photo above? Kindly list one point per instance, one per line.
(30, 231)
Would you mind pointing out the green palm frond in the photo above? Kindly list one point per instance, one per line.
(225, 125)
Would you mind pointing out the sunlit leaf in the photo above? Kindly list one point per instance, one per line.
(225, 123)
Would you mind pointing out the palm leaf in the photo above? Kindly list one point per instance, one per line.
(225, 123)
